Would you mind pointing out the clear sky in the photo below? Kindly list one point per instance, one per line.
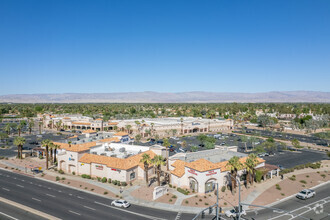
(61, 46)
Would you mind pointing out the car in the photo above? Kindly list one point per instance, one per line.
(120, 203)
(281, 167)
(306, 194)
(233, 213)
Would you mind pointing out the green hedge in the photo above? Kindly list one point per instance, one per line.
(183, 191)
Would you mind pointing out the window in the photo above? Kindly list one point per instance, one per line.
(132, 176)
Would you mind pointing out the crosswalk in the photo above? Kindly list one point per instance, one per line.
(178, 216)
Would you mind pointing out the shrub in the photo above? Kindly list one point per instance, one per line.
(223, 189)
(80, 185)
(200, 200)
(105, 193)
(73, 173)
(174, 196)
(186, 201)
(282, 194)
(225, 203)
(117, 196)
(92, 189)
(170, 200)
(293, 178)
(68, 182)
(63, 178)
(206, 203)
(278, 187)
(204, 197)
(109, 180)
(323, 175)
(61, 171)
(183, 191)
(123, 183)
(258, 176)
(57, 178)
(307, 176)
(104, 180)
(303, 181)
(98, 179)
(86, 188)
(196, 196)
(196, 203)
(170, 185)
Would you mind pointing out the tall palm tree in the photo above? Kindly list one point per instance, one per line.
(146, 160)
(128, 128)
(166, 143)
(250, 164)
(158, 162)
(8, 128)
(31, 124)
(234, 165)
(20, 126)
(55, 147)
(50, 148)
(181, 120)
(46, 143)
(19, 142)
(40, 124)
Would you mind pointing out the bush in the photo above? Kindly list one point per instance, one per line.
(104, 180)
(323, 175)
(174, 196)
(170, 185)
(258, 176)
(63, 178)
(105, 193)
(206, 203)
(73, 173)
(183, 191)
(61, 171)
(92, 189)
(170, 200)
(85, 176)
(303, 181)
(57, 178)
(109, 180)
(223, 189)
(123, 183)
(186, 201)
(200, 200)
(278, 187)
(98, 179)
(293, 178)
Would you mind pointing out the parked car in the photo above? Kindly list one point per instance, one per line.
(120, 203)
(233, 213)
(306, 194)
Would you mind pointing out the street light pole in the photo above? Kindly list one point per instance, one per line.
(239, 196)
(217, 207)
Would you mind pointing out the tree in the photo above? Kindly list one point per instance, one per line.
(55, 147)
(138, 138)
(265, 120)
(3, 136)
(46, 143)
(19, 142)
(128, 128)
(20, 126)
(146, 160)
(250, 164)
(166, 143)
(40, 124)
(244, 139)
(259, 149)
(202, 138)
(184, 144)
(295, 143)
(31, 124)
(234, 165)
(158, 162)
(8, 128)
(174, 131)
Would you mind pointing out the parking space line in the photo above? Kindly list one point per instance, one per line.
(6, 189)
(19, 185)
(74, 212)
(36, 199)
(50, 195)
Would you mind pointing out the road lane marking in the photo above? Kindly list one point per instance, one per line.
(70, 194)
(50, 195)
(6, 189)
(89, 208)
(19, 185)
(36, 199)
(14, 178)
(59, 191)
(49, 188)
(80, 197)
(74, 212)
(23, 180)
(134, 213)
(11, 217)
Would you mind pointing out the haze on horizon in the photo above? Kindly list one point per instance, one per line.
(103, 46)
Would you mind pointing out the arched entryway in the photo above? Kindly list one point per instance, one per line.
(210, 185)
(193, 184)
(72, 168)
(62, 165)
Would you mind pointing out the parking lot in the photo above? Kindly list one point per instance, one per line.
(286, 136)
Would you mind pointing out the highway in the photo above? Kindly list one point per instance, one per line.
(66, 203)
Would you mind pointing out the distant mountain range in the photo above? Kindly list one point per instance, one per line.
(158, 97)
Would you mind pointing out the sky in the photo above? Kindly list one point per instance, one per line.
(79, 46)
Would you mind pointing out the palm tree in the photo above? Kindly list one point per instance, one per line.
(31, 124)
(46, 143)
(19, 142)
(40, 124)
(235, 165)
(20, 126)
(51, 147)
(181, 120)
(8, 128)
(146, 160)
(128, 128)
(250, 164)
(55, 147)
(158, 162)
(166, 143)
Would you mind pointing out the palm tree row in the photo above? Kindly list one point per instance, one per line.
(158, 161)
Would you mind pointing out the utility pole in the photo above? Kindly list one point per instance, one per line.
(217, 207)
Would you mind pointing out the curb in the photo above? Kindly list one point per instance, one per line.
(287, 198)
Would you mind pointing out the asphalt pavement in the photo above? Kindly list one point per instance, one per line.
(67, 203)
(10, 212)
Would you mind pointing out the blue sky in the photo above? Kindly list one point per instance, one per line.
(61, 46)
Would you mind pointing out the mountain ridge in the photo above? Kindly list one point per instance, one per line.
(169, 97)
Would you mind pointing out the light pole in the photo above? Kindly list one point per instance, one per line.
(239, 196)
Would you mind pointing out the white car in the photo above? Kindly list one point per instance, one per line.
(233, 213)
(306, 194)
(120, 203)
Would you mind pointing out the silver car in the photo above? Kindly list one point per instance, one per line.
(120, 203)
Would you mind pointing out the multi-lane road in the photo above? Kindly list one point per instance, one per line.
(66, 203)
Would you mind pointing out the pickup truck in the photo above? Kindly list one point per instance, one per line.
(306, 194)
